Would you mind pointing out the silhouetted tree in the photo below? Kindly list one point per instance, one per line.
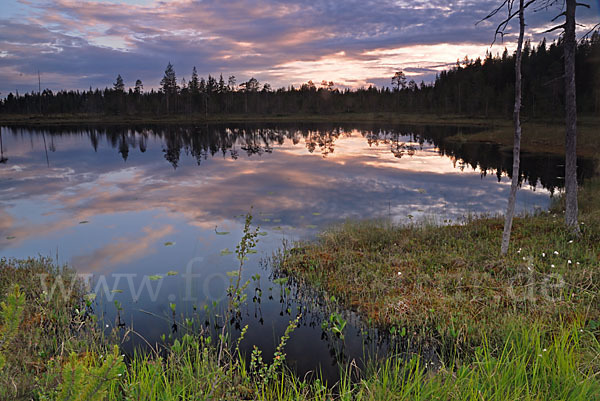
(471, 87)
(399, 80)
(119, 86)
(139, 87)
(169, 84)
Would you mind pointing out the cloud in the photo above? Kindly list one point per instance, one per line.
(121, 250)
(77, 44)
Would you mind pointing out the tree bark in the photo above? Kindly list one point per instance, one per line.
(570, 46)
(510, 210)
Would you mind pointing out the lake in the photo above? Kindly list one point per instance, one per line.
(151, 216)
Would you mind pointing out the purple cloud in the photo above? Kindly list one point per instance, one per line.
(77, 44)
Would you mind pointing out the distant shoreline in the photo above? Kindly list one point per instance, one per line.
(539, 135)
(409, 118)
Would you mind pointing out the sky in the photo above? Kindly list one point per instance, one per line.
(77, 44)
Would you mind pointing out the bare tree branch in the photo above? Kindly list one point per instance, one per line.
(562, 26)
(501, 27)
(493, 13)
(588, 33)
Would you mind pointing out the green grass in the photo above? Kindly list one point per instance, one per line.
(527, 366)
(50, 324)
(531, 363)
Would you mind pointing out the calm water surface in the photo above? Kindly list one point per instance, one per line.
(122, 204)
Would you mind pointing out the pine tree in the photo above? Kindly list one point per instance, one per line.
(399, 80)
(119, 86)
(169, 81)
(139, 87)
(222, 87)
(211, 85)
(194, 84)
(169, 84)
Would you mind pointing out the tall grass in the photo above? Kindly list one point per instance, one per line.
(532, 364)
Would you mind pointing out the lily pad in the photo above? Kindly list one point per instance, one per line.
(11, 237)
(172, 273)
(116, 291)
(263, 233)
(252, 251)
(276, 220)
(277, 228)
(169, 243)
(221, 232)
(421, 190)
(83, 222)
(270, 193)
(316, 213)
(155, 277)
(226, 252)
(266, 220)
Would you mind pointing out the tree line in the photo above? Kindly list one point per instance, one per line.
(471, 87)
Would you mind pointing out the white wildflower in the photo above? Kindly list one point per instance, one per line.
(556, 252)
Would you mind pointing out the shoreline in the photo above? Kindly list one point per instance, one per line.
(539, 135)
(387, 117)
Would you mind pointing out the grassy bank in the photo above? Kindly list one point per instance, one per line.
(51, 353)
(450, 283)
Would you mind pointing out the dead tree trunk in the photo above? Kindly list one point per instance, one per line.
(570, 46)
(510, 210)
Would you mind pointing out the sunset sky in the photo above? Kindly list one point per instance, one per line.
(76, 44)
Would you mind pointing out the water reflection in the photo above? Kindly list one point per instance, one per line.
(229, 141)
(126, 204)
